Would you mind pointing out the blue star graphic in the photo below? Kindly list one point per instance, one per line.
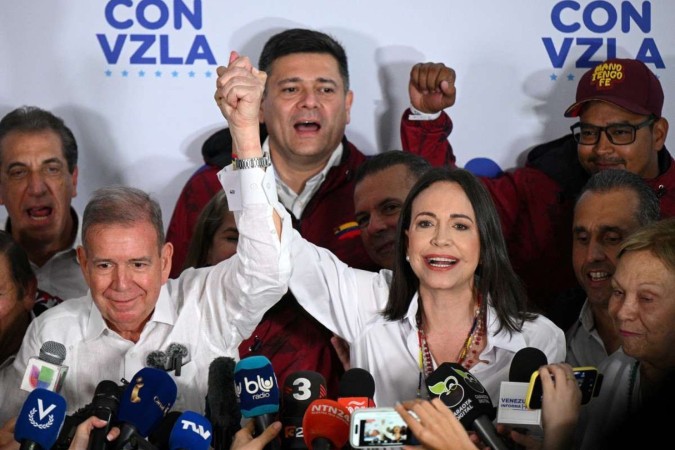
(158, 74)
(554, 77)
(174, 73)
(191, 73)
(570, 77)
(141, 73)
(125, 73)
(207, 74)
(108, 73)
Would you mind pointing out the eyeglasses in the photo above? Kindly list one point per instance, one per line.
(617, 133)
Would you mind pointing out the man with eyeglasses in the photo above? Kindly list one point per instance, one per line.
(619, 104)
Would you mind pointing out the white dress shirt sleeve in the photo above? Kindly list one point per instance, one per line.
(341, 298)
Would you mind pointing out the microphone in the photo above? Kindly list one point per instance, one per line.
(192, 432)
(512, 410)
(258, 393)
(40, 420)
(221, 402)
(145, 401)
(158, 360)
(159, 437)
(326, 425)
(356, 389)
(467, 399)
(105, 403)
(300, 389)
(46, 371)
(175, 354)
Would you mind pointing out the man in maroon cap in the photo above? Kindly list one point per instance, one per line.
(619, 105)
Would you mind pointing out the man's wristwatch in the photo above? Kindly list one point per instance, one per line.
(250, 163)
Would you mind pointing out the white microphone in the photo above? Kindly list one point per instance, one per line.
(46, 371)
(511, 410)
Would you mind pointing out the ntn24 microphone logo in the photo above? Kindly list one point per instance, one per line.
(330, 410)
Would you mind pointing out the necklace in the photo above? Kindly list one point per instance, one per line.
(468, 354)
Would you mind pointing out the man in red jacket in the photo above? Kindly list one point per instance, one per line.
(619, 104)
(304, 114)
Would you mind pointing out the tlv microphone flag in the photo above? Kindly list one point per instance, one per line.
(467, 399)
(191, 431)
(40, 419)
(147, 398)
(256, 386)
(300, 389)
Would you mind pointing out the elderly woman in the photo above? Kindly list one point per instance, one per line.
(639, 382)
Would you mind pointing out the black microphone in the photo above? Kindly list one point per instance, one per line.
(525, 362)
(356, 389)
(105, 403)
(300, 389)
(176, 353)
(467, 399)
(512, 394)
(159, 437)
(222, 407)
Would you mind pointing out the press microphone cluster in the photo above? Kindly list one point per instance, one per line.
(139, 408)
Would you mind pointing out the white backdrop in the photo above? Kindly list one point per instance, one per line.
(134, 79)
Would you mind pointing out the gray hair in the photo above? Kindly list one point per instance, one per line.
(649, 209)
(122, 205)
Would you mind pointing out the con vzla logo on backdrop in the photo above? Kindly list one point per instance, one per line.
(155, 33)
(593, 32)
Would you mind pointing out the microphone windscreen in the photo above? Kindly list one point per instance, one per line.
(300, 389)
(146, 399)
(177, 350)
(191, 431)
(356, 382)
(157, 359)
(461, 392)
(41, 418)
(256, 386)
(53, 352)
(326, 420)
(526, 361)
(221, 399)
(159, 437)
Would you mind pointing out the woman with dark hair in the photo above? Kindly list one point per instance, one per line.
(215, 236)
(452, 295)
(17, 296)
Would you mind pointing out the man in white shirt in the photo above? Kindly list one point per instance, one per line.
(611, 206)
(38, 180)
(133, 308)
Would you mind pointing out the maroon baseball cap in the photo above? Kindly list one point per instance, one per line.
(627, 83)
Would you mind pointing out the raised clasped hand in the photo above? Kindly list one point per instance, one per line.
(239, 91)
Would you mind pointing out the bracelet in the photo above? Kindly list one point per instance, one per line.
(250, 163)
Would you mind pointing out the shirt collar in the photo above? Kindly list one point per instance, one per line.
(295, 202)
